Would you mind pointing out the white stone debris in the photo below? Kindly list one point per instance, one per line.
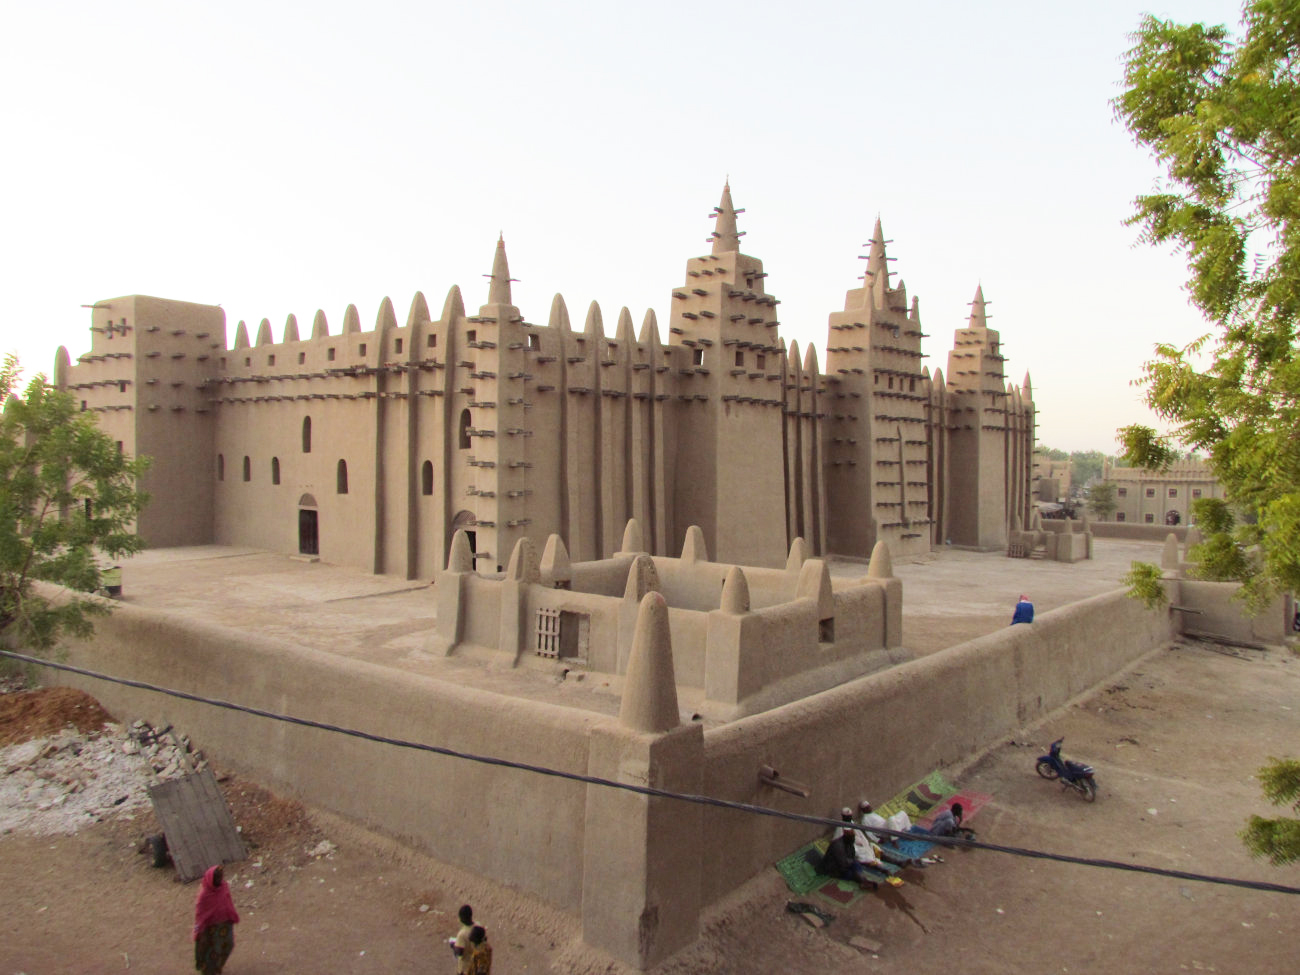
(68, 780)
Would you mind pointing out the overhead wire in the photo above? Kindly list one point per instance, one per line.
(743, 807)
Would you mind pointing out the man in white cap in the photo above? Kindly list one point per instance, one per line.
(871, 847)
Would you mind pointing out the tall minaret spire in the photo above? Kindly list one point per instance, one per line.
(499, 291)
(725, 237)
(877, 262)
(978, 312)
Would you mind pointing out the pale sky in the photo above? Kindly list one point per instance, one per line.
(277, 157)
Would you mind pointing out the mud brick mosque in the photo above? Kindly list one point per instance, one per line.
(653, 508)
(372, 448)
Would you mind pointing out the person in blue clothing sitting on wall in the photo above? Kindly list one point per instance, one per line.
(1024, 611)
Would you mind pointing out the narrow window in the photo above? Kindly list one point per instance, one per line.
(1120, 516)
(826, 630)
(121, 387)
(329, 354)
(426, 478)
(697, 357)
(891, 382)
(270, 360)
(464, 430)
(397, 346)
(534, 342)
(275, 470)
(1173, 492)
(431, 341)
(1151, 492)
(361, 349)
(83, 406)
(1196, 492)
(1121, 492)
(248, 360)
(119, 448)
(740, 358)
(762, 361)
(1149, 517)
(911, 385)
(306, 435)
(471, 336)
(302, 358)
(221, 467)
(343, 477)
(248, 469)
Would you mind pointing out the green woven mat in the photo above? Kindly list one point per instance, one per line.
(800, 868)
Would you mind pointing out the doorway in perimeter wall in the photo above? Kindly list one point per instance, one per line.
(308, 526)
(573, 635)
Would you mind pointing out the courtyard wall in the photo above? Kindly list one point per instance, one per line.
(869, 737)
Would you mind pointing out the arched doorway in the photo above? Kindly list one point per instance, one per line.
(308, 526)
(466, 520)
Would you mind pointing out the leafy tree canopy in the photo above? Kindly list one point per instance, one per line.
(1222, 115)
(1101, 499)
(1277, 839)
(68, 498)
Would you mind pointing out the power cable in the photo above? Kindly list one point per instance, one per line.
(947, 841)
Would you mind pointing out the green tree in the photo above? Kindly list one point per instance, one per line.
(1101, 499)
(1086, 465)
(1052, 453)
(1222, 115)
(68, 498)
(1278, 839)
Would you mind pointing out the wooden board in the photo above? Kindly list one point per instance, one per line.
(197, 823)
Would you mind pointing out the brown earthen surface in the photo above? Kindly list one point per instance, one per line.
(1174, 741)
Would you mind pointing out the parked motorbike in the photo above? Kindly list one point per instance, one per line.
(1074, 774)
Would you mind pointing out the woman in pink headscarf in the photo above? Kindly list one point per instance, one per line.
(215, 918)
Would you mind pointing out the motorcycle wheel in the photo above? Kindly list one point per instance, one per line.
(1046, 769)
(1088, 789)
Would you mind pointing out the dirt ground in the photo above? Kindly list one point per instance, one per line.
(1174, 741)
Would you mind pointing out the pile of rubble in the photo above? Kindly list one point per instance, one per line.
(59, 783)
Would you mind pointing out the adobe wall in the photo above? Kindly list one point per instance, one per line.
(431, 802)
(874, 736)
(1218, 615)
(871, 736)
(1123, 529)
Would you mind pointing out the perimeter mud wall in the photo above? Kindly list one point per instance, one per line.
(516, 827)
(869, 737)
(875, 736)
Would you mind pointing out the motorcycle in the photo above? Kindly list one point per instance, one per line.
(1074, 774)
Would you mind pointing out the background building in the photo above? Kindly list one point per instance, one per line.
(1157, 497)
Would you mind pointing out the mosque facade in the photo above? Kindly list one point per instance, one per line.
(373, 447)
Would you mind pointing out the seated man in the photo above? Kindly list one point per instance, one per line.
(1024, 612)
(840, 860)
(872, 848)
(948, 823)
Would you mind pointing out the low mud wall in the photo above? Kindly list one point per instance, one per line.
(868, 737)
(876, 735)
(516, 827)
(1133, 532)
(1211, 609)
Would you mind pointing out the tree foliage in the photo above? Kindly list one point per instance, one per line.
(1144, 583)
(1101, 499)
(1222, 115)
(1086, 465)
(1277, 839)
(68, 498)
